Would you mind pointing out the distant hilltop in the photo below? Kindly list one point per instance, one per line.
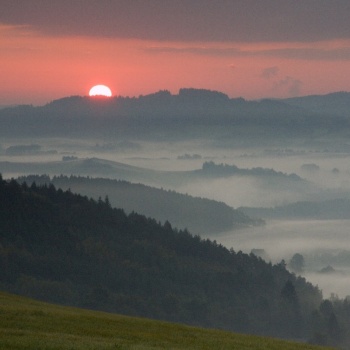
(179, 116)
(185, 95)
(331, 101)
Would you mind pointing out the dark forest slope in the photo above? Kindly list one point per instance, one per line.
(198, 215)
(69, 249)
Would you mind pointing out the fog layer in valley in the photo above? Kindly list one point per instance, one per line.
(242, 159)
(321, 243)
(324, 176)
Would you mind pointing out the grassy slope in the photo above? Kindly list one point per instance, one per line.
(29, 324)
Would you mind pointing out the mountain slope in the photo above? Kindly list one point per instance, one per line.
(65, 248)
(199, 215)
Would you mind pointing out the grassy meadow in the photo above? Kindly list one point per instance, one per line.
(30, 324)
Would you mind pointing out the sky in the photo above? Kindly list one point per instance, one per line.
(245, 48)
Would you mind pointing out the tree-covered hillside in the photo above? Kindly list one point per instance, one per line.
(69, 249)
(332, 209)
(190, 114)
(199, 215)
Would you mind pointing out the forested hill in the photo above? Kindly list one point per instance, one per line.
(199, 215)
(69, 249)
(332, 209)
(190, 114)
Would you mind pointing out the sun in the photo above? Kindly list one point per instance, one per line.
(100, 90)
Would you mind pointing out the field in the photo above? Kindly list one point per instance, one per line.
(30, 324)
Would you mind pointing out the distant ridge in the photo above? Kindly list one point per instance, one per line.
(332, 209)
(192, 113)
(97, 167)
(334, 103)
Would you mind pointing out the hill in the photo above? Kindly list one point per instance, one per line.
(30, 324)
(96, 167)
(192, 113)
(66, 248)
(198, 215)
(332, 209)
(337, 103)
(78, 166)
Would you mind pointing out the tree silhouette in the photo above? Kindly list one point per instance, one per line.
(297, 263)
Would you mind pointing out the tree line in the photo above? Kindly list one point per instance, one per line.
(198, 215)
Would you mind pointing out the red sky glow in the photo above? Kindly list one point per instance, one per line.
(42, 61)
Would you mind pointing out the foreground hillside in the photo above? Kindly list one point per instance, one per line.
(29, 324)
(65, 248)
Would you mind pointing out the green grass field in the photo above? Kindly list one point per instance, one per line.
(30, 324)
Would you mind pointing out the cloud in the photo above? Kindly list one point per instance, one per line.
(301, 53)
(269, 72)
(290, 85)
(310, 53)
(185, 20)
(200, 50)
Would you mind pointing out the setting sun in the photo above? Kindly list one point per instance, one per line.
(100, 90)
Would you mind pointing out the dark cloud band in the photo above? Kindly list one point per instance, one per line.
(185, 20)
(305, 53)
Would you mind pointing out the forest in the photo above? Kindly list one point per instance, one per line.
(67, 248)
(198, 215)
(191, 113)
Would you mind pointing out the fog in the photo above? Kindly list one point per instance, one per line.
(325, 176)
(319, 241)
(328, 179)
(240, 191)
